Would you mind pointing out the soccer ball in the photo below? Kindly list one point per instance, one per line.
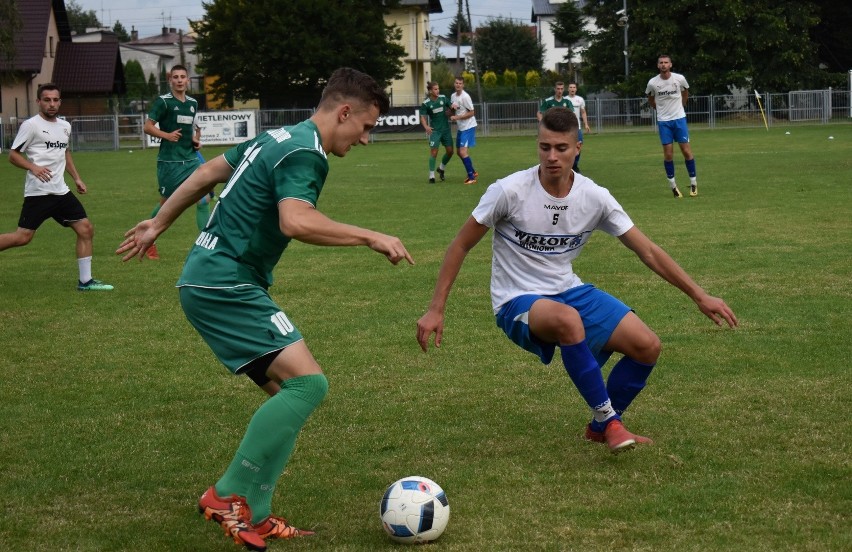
(414, 509)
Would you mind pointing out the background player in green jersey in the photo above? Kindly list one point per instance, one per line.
(180, 139)
(435, 118)
(273, 183)
(556, 100)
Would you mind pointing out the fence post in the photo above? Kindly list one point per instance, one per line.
(115, 130)
(712, 111)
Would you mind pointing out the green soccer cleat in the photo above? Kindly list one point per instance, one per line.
(93, 285)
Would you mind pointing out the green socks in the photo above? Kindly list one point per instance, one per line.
(269, 441)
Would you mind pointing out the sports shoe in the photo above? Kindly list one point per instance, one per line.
(617, 438)
(693, 190)
(440, 173)
(275, 527)
(432, 180)
(677, 193)
(475, 174)
(93, 285)
(234, 515)
(470, 181)
(152, 253)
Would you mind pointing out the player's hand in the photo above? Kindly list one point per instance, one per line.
(81, 186)
(42, 173)
(429, 323)
(717, 310)
(137, 240)
(173, 136)
(391, 247)
(196, 145)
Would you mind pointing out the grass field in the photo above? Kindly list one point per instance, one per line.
(116, 416)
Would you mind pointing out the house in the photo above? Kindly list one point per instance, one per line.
(158, 53)
(543, 15)
(458, 57)
(412, 17)
(88, 74)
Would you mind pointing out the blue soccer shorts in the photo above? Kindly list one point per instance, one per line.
(600, 312)
(673, 131)
(466, 138)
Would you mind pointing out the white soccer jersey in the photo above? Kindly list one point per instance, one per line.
(666, 93)
(579, 103)
(44, 143)
(537, 236)
(463, 104)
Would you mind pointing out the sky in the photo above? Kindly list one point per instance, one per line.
(150, 16)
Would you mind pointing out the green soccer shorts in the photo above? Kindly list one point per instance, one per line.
(439, 137)
(239, 324)
(171, 174)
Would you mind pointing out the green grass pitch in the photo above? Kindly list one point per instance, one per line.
(115, 415)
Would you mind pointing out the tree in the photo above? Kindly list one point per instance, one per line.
(721, 45)
(10, 25)
(503, 44)
(569, 28)
(80, 20)
(137, 87)
(121, 32)
(831, 35)
(283, 51)
(460, 26)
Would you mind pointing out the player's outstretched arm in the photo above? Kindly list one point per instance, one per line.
(660, 262)
(433, 321)
(301, 221)
(138, 239)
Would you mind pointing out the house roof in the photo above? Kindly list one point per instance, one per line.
(30, 38)
(168, 36)
(432, 6)
(89, 68)
(542, 7)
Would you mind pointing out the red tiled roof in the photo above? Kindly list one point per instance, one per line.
(89, 68)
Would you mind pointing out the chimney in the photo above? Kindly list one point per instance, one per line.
(165, 30)
(172, 30)
(134, 34)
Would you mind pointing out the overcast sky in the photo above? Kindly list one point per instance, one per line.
(149, 16)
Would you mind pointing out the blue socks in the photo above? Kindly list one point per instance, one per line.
(584, 371)
(690, 167)
(626, 380)
(669, 165)
(468, 164)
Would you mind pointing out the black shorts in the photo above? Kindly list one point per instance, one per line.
(64, 209)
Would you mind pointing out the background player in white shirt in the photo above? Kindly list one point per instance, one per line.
(464, 117)
(668, 93)
(580, 111)
(542, 217)
(41, 149)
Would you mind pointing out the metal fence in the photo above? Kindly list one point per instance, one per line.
(115, 132)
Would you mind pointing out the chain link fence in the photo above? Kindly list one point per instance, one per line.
(114, 132)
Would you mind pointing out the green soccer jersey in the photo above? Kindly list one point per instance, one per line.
(437, 111)
(242, 241)
(553, 102)
(172, 114)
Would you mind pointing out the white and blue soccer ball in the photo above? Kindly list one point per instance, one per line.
(414, 510)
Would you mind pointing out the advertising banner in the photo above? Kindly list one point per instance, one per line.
(222, 128)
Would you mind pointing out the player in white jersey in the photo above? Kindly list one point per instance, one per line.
(464, 117)
(41, 149)
(542, 217)
(580, 111)
(668, 93)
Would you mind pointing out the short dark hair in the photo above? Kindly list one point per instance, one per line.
(661, 56)
(560, 119)
(47, 86)
(347, 83)
(178, 68)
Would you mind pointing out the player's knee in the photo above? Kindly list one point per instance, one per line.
(570, 326)
(648, 348)
(85, 229)
(20, 239)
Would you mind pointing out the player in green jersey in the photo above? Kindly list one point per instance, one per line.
(171, 119)
(556, 100)
(273, 183)
(435, 118)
